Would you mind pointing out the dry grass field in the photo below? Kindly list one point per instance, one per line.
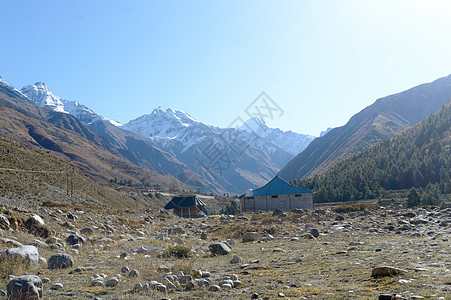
(286, 261)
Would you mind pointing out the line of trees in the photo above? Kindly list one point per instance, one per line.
(418, 158)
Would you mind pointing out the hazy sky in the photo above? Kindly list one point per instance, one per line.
(320, 61)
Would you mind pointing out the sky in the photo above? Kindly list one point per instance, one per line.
(319, 62)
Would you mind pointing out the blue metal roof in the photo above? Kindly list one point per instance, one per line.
(278, 186)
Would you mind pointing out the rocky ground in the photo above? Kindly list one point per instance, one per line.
(322, 254)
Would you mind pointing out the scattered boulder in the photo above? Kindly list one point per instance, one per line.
(87, 231)
(250, 237)
(71, 216)
(96, 280)
(112, 282)
(176, 230)
(235, 259)
(231, 242)
(219, 249)
(38, 219)
(26, 287)
(68, 224)
(339, 218)
(214, 288)
(10, 242)
(35, 226)
(4, 223)
(75, 239)
(386, 271)
(189, 286)
(185, 279)
(133, 273)
(27, 252)
(314, 232)
(419, 221)
(60, 261)
(57, 286)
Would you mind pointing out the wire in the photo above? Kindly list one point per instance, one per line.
(32, 171)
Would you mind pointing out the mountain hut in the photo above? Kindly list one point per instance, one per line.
(186, 207)
(276, 194)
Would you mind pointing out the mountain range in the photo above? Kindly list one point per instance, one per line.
(171, 148)
(173, 143)
(236, 159)
(73, 140)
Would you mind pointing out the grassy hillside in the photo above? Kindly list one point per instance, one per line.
(420, 157)
(31, 176)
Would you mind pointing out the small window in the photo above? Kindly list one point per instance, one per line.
(249, 198)
(274, 196)
(298, 195)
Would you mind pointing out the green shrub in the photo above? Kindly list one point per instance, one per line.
(345, 208)
(178, 251)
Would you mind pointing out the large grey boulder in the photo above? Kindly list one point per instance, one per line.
(35, 226)
(235, 259)
(112, 282)
(251, 237)
(26, 287)
(26, 252)
(75, 239)
(219, 249)
(60, 261)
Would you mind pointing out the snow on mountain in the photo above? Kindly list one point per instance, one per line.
(161, 124)
(11, 88)
(178, 133)
(289, 141)
(40, 94)
(171, 125)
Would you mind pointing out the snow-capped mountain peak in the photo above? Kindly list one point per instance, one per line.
(289, 141)
(40, 94)
(161, 123)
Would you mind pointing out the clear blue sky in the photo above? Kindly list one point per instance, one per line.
(320, 61)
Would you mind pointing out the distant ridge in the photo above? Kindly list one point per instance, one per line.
(384, 119)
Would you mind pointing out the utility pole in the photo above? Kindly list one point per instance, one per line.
(70, 183)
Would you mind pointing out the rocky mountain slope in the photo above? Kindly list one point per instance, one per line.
(71, 139)
(233, 159)
(384, 119)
